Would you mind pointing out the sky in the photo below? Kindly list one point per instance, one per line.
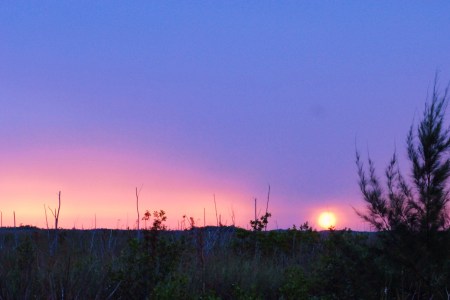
(191, 101)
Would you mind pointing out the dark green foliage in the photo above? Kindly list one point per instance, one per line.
(201, 263)
(413, 216)
(291, 243)
(174, 286)
(148, 263)
(297, 285)
(29, 271)
(347, 268)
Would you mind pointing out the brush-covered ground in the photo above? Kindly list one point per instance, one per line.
(203, 263)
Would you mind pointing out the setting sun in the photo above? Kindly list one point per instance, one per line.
(327, 220)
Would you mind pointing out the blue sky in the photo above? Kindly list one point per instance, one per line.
(232, 95)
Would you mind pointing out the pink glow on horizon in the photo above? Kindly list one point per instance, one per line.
(98, 190)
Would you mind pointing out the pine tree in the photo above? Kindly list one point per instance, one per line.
(412, 215)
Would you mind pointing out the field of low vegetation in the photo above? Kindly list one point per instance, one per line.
(208, 263)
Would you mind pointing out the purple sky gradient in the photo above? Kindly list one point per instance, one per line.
(233, 95)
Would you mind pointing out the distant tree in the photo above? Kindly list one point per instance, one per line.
(159, 217)
(412, 214)
(261, 223)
